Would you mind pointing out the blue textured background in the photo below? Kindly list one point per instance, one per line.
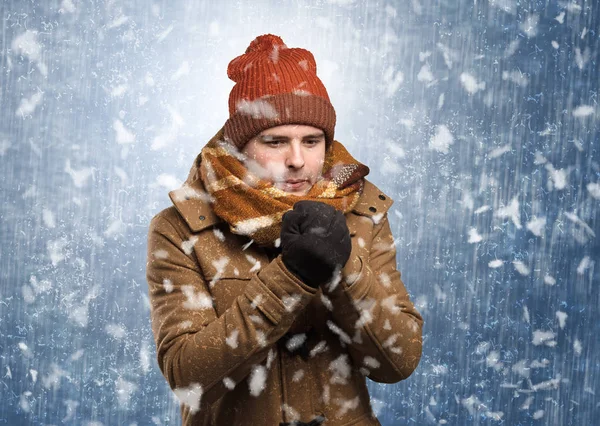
(479, 118)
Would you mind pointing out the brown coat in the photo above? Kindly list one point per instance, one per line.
(220, 308)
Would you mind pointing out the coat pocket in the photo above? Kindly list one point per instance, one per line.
(226, 270)
(225, 289)
(353, 270)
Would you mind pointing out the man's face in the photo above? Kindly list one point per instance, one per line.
(286, 153)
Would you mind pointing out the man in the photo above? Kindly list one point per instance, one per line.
(272, 279)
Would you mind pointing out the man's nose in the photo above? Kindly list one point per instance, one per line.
(295, 156)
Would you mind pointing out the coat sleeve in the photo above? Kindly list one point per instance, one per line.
(201, 355)
(375, 317)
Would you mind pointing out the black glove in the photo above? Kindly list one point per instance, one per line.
(314, 241)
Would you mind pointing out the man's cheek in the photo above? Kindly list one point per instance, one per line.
(276, 170)
(257, 169)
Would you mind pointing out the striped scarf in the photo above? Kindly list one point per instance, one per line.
(254, 207)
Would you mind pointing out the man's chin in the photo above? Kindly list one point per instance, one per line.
(302, 190)
(297, 193)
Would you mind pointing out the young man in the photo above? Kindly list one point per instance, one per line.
(272, 279)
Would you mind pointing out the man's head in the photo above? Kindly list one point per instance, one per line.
(291, 152)
(276, 86)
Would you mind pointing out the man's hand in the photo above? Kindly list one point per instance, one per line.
(314, 241)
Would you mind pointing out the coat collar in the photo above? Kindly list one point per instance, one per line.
(194, 204)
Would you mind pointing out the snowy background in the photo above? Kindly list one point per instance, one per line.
(479, 118)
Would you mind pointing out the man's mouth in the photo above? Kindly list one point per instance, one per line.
(294, 184)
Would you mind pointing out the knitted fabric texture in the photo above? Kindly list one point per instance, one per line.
(276, 85)
(254, 207)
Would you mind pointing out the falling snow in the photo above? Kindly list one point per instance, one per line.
(479, 119)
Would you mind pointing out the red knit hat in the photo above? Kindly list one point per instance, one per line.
(275, 85)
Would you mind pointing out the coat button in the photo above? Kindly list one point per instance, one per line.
(373, 209)
(381, 197)
(202, 218)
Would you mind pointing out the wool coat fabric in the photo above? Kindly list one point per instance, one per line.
(242, 341)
